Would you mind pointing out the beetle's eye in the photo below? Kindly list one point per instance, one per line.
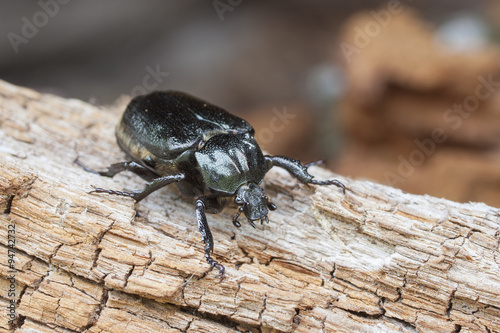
(238, 201)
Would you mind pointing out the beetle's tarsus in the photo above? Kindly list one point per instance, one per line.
(329, 182)
(112, 192)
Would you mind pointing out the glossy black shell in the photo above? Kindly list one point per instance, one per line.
(228, 161)
(169, 123)
(170, 132)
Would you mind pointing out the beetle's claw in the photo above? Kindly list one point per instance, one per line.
(95, 189)
(222, 272)
(84, 167)
(337, 183)
(320, 162)
(212, 262)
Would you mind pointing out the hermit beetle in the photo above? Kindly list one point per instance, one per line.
(212, 155)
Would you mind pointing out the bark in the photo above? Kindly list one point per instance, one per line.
(375, 259)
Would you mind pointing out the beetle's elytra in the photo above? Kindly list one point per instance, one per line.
(210, 154)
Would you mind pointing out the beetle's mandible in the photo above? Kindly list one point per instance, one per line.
(210, 154)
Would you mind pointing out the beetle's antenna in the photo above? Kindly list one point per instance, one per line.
(235, 218)
(270, 205)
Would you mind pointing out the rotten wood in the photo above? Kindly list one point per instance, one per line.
(373, 260)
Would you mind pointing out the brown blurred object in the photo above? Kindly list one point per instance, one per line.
(284, 130)
(418, 116)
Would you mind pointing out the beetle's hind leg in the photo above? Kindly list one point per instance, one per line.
(116, 168)
(300, 171)
(212, 205)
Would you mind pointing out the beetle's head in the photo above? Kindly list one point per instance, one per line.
(253, 203)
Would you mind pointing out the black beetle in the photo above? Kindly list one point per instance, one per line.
(209, 153)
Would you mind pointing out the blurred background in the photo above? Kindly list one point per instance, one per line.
(405, 93)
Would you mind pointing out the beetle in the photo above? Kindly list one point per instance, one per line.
(210, 154)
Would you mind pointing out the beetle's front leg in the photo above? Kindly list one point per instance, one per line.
(147, 190)
(300, 171)
(212, 205)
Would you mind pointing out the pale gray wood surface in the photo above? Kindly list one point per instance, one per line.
(374, 260)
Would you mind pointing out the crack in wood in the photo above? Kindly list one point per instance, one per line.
(95, 317)
(8, 204)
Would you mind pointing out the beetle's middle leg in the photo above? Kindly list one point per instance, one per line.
(212, 205)
(300, 171)
(150, 187)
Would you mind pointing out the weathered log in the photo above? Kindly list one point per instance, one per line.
(374, 259)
